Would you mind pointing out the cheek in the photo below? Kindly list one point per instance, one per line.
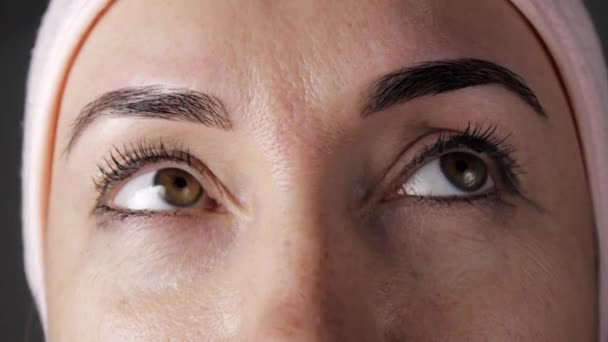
(127, 300)
(475, 278)
(447, 278)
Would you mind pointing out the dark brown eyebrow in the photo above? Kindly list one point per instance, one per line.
(175, 104)
(424, 79)
(436, 77)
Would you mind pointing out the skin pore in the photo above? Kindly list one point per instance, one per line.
(313, 223)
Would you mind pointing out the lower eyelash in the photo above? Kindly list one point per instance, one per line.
(490, 199)
(126, 213)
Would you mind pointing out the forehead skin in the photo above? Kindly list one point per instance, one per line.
(292, 75)
(295, 53)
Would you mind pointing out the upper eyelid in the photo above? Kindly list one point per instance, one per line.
(112, 166)
(181, 155)
(147, 151)
(442, 132)
(401, 167)
(400, 156)
(450, 143)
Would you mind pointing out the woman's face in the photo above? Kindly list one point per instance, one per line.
(317, 170)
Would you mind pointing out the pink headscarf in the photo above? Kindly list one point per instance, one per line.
(563, 25)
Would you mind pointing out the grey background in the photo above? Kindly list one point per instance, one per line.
(18, 23)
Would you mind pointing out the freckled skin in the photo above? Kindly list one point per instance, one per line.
(304, 260)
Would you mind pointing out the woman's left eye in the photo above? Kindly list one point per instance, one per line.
(455, 174)
(161, 190)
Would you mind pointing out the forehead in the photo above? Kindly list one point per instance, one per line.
(283, 65)
(221, 40)
(288, 53)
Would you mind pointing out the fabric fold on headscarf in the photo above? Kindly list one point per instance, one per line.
(564, 27)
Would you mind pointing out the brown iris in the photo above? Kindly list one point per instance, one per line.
(181, 188)
(465, 171)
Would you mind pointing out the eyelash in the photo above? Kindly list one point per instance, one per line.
(483, 140)
(128, 160)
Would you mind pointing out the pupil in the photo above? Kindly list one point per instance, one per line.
(180, 182)
(464, 170)
(461, 166)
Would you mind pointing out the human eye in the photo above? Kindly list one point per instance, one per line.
(452, 174)
(152, 179)
(467, 165)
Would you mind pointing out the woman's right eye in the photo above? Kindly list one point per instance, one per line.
(164, 189)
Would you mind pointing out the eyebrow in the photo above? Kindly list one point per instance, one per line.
(436, 77)
(160, 102)
(407, 84)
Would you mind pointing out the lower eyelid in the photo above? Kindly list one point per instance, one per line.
(108, 217)
(489, 201)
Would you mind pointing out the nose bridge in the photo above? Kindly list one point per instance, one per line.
(298, 231)
(289, 270)
(294, 286)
